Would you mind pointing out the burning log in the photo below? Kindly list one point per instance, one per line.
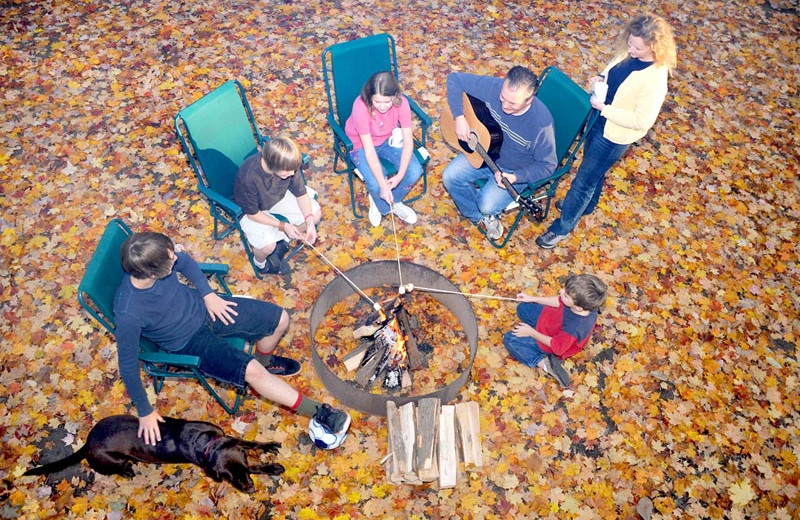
(414, 355)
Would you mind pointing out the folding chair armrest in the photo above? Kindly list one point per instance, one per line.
(226, 203)
(170, 359)
(340, 133)
(213, 268)
(424, 118)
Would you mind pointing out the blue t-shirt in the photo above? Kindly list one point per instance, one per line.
(529, 142)
(169, 313)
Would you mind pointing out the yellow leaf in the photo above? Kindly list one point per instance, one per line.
(741, 493)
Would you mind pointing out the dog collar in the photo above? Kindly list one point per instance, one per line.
(211, 444)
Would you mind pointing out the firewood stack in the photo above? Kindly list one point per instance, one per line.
(428, 441)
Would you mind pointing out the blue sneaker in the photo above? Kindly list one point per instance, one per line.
(549, 240)
(328, 428)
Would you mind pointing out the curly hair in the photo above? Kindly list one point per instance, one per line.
(656, 33)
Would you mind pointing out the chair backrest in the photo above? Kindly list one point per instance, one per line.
(104, 274)
(346, 67)
(569, 105)
(220, 133)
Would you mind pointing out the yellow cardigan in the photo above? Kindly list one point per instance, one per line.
(636, 104)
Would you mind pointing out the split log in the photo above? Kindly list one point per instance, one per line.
(428, 410)
(401, 433)
(366, 330)
(369, 367)
(353, 359)
(469, 427)
(412, 350)
(448, 458)
(393, 428)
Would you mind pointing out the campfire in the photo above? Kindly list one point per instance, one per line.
(376, 340)
(387, 350)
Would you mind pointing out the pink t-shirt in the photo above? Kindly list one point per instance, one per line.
(378, 125)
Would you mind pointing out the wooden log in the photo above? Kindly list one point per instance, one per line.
(393, 429)
(414, 355)
(353, 359)
(409, 438)
(366, 330)
(448, 457)
(469, 428)
(428, 411)
(370, 366)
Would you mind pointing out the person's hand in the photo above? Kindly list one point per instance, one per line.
(386, 193)
(394, 180)
(594, 80)
(178, 248)
(462, 128)
(220, 308)
(525, 297)
(148, 428)
(498, 178)
(292, 232)
(311, 231)
(597, 105)
(522, 330)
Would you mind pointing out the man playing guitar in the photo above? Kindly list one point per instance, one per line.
(527, 152)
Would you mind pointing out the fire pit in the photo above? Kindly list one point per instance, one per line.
(381, 274)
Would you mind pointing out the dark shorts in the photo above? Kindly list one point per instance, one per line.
(218, 358)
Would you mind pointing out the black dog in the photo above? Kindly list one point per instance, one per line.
(112, 447)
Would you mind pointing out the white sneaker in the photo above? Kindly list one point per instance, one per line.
(492, 226)
(404, 213)
(374, 214)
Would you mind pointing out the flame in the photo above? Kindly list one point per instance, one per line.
(397, 349)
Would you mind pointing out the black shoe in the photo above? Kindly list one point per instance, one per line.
(281, 248)
(548, 240)
(282, 366)
(553, 367)
(559, 204)
(282, 267)
(334, 420)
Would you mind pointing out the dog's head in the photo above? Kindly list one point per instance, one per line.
(229, 462)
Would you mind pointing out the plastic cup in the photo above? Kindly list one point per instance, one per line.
(600, 91)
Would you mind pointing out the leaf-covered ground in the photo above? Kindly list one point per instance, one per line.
(688, 393)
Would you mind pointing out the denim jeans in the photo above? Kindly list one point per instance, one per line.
(459, 177)
(599, 155)
(391, 154)
(526, 349)
(256, 319)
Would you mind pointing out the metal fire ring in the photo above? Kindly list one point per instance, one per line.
(377, 274)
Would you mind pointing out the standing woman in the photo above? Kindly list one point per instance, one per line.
(637, 86)
(377, 112)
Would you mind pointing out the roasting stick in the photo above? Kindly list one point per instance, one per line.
(412, 287)
(396, 246)
(376, 306)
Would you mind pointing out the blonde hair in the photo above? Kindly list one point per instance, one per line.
(281, 154)
(654, 32)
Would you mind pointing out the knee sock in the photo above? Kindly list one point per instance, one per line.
(305, 406)
(264, 359)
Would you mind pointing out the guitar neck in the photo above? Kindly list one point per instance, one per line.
(492, 166)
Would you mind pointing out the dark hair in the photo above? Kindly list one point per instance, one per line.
(586, 290)
(520, 76)
(281, 154)
(147, 254)
(382, 83)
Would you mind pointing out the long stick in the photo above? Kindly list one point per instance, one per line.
(375, 306)
(469, 295)
(396, 246)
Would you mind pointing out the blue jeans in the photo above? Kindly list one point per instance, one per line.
(599, 155)
(256, 319)
(525, 350)
(391, 154)
(459, 177)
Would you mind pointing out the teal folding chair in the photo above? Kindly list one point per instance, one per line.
(346, 67)
(217, 133)
(96, 295)
(573, 117)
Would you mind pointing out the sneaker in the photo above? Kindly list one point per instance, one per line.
(374, 214)
(275, 262)
(281, 248)
(548, 240)
(328, 427)
(404, 213)
(282, 366)
(552, 365)
(492, 226)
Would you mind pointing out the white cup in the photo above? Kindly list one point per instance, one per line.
(600, 91)
(396, 140)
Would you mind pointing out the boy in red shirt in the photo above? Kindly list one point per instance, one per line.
(553, 328)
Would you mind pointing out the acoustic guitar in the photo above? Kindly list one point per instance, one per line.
(483, 147)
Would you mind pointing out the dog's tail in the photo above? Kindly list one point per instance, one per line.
(58, 465)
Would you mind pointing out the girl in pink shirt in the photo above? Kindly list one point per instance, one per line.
(380, 112)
